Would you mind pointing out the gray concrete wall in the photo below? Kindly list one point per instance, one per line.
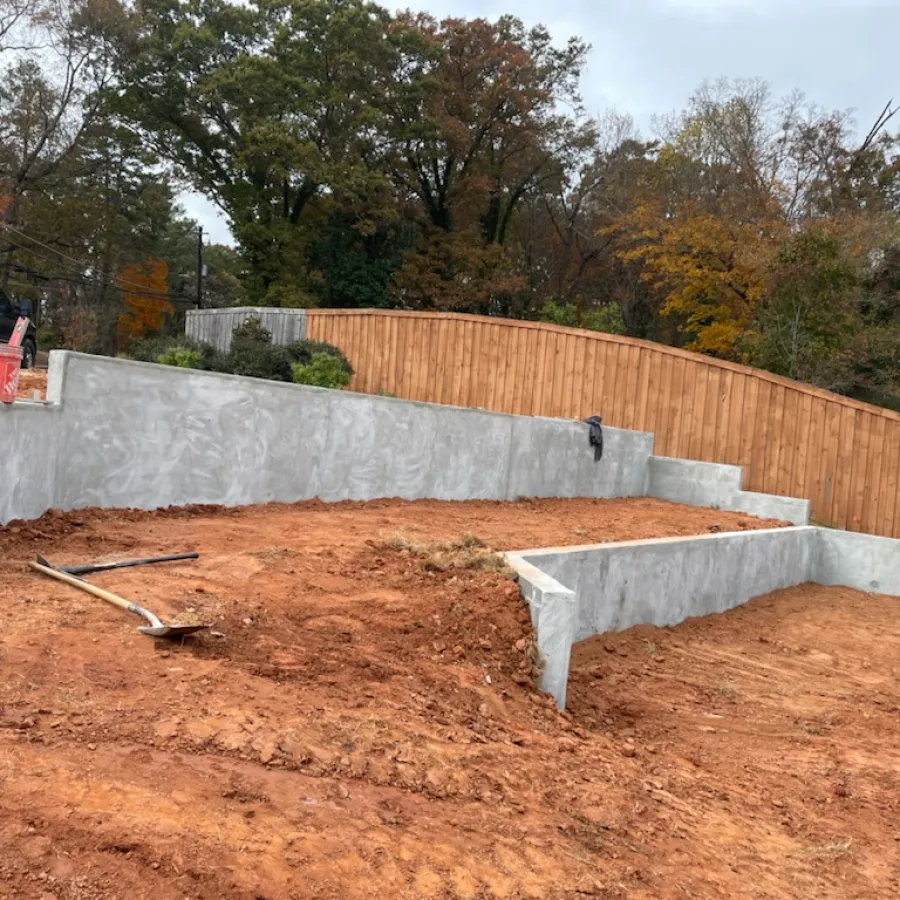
(554, 458)
(30, 436)
(553, 615)
(167, 436)
(861, 561)
(214, 326)
(171, 436)
(665, 581)
(718, 486)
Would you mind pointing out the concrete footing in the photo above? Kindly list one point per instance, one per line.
(666, 581)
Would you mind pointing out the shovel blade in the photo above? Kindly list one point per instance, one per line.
(171, 630)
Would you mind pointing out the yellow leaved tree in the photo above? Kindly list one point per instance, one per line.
(708, 268)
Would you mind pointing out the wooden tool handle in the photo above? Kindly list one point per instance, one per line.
(84, 586)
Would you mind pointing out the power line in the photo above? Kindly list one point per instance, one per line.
(80, 264)
(46, 276)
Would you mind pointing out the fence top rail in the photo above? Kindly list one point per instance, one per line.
(601, 336)
(220, 310)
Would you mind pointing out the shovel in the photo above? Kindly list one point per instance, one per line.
(123, 564)
(154, 629)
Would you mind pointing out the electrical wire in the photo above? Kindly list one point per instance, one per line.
(93, 281)
(68, 279)
(80, 264)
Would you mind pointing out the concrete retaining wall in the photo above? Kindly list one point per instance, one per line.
(719, 486)
(167, 436)
(214, 326)
(664, 582)
(30, 435)
(861, 561)
(142, 435)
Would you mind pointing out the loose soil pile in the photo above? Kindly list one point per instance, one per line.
(32, 384)
(363, 723)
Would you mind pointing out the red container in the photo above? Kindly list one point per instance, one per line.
(10, 366)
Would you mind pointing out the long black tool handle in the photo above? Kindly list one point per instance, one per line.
(126, 563)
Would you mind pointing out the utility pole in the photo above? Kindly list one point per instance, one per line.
(200, 267)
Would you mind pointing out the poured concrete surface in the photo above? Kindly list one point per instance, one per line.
(128, 434)
(30, 441)
(667, 581)
(168, 436)
(862, 561)
(554, 615)
(719, 486)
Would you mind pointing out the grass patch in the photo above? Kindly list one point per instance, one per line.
(467, 552)
(728, 690)
(831, 850)
(814, 728)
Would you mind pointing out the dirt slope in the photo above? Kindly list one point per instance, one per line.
(367, 727)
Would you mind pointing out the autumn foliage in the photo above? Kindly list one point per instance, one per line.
(371, 158)
(146, 302)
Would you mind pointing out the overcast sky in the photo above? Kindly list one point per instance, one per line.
(649, 55)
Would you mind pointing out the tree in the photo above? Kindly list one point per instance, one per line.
(352, 266)
(264, 108)
(706, 267)
(829, 314)
(222, 284)
(456, 271)
(49, 98)
(565, 245)
(482, 129)
(146, 302)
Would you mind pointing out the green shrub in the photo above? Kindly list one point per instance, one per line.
(303, 352)
(253, 354)
(50, 337)
(183, 357)
(323, 370)
(149, 349)
(249, 332)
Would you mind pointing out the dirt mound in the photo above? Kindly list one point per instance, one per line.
(32, 384)
(362, 720)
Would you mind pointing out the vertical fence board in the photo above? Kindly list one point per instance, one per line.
(862, 441)
(890, 509)
(840, 511)
(869, 509)
(787, 440)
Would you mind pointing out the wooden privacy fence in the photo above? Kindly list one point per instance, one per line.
(791, 439)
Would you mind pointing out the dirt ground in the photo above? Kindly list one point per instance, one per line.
(31, 381)
(363, 722)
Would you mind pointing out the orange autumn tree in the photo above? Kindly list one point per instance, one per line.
(707, 268)
(144, 286)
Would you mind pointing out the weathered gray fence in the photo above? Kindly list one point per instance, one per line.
(214, 326)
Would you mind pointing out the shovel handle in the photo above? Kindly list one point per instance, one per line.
(108, 596)
(126, 563)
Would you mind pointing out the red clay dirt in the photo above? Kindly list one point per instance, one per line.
(364, 726)
(31, 381)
